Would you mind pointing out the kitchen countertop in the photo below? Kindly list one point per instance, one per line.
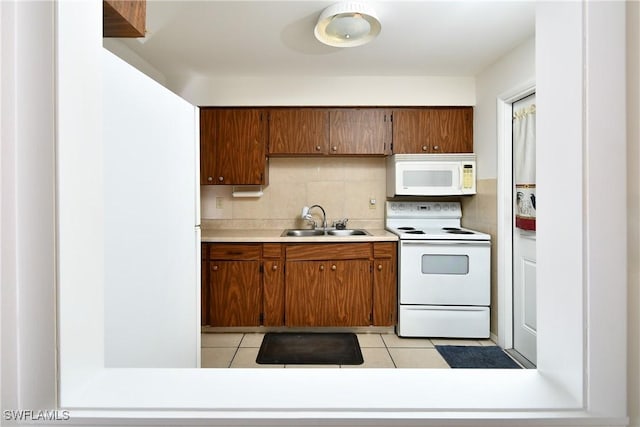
(274, 235)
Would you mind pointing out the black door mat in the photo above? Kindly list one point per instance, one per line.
(479, 357)
(309, 348)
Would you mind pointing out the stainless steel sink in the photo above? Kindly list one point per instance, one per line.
(352, 232)
(317, 232)
(303, 233)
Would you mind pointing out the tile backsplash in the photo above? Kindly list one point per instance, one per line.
(342, 186)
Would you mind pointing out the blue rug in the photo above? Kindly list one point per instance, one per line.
(478, 357)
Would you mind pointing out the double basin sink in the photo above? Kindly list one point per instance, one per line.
(319, 232)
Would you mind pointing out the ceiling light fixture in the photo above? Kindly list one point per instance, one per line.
(347, 24)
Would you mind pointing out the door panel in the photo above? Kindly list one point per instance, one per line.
(235, 294)
(298, 131)
(360, 131)
(524, 294)
(304, 305)
(524, 242)
(384, 292)
(348, 293)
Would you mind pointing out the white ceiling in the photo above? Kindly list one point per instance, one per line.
(262, 38)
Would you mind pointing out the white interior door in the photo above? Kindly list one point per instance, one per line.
(524, 234)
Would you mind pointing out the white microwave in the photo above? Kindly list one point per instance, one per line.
(431, 174)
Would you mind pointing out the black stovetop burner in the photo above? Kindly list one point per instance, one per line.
(456, 230)
(411, 230)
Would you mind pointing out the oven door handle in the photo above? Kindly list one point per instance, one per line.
(447, 243)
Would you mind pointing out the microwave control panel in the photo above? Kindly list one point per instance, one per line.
(467, 177)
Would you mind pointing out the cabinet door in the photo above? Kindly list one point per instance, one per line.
(208, 136)
(384, 292)
(360, 131)
(451, 130)
(235, 293)
(204, 286)
(233, 146)
(433, 130)
(348, 293)
(305, 293)
(303, 131)
(273, 293)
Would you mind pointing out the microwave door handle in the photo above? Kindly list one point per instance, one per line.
(460, 176)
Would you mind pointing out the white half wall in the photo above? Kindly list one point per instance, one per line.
(27, 263)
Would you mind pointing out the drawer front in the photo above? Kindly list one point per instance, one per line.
(384, 249)
(328, 251)
(233, 251)
(272, 250)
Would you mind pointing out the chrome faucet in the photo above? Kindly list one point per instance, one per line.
(306, 215)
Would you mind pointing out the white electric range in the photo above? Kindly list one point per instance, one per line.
(444, 271)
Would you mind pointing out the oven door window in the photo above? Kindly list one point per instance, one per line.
(445, 264)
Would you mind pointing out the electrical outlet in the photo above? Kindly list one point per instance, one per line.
(219, 202)
(372, 202)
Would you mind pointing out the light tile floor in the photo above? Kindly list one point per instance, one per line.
(239, 350)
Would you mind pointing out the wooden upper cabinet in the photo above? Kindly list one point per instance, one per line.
(124, 18)
(233, 146)
(433, 130)
(360, 131)
(298, 131)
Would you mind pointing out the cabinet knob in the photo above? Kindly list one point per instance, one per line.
(274, 267)
(436, 147)
(215, 268)
(210, 178)
(318, 148)
(322, 268)
(220, 178)
(333, 267)
(424, 148)
(379, 267)
(334, 148)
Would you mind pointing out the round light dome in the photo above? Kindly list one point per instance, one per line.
(347, 24)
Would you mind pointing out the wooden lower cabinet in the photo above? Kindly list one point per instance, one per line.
(384, 292)
(204, 284)
(234, 284)
(385, 299)
(273, 293)
(328, 293)
(348, 293)
(234, 293)
(298, 285)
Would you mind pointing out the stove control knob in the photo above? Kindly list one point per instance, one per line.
(437, 207)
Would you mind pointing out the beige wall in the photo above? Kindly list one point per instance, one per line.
(479, 213)
(342, 186)
(513, 70)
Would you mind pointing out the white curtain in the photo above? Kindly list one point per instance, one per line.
(524, 149)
